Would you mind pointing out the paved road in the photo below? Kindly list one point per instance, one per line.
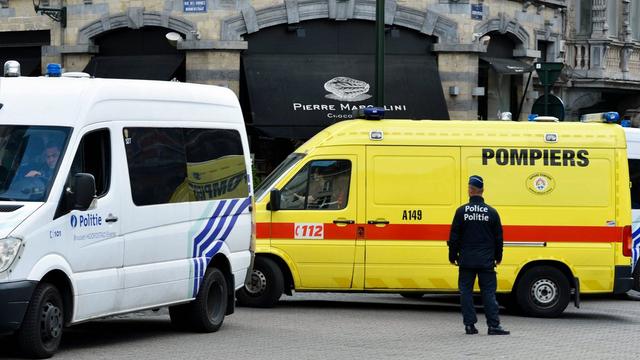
(357, 326)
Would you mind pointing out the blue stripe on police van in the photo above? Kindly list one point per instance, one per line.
(209, 254)
(211, 246)
(220, 226)
(636, 233)
(209, 225)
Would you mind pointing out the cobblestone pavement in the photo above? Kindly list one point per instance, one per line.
(363, 326)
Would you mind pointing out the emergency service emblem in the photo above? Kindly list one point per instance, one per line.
(540, 183)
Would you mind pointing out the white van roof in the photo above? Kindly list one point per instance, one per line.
(61, 101)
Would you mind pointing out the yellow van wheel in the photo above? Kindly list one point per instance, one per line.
(266, 285)
(543, 291)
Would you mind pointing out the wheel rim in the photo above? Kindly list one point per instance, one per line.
(214, 300)
(258, 283)
(545, 292)
(51, 322)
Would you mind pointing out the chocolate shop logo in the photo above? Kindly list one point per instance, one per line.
(344, 88)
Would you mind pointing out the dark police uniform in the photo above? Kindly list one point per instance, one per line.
(475, 244)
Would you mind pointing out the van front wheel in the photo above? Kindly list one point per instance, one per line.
(41, 330)
(206, 312)
(265, 287)
(543, 291)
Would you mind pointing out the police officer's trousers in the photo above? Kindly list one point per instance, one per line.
(488, 283)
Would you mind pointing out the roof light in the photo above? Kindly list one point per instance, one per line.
(11, 68)
(54, 70)
(369, 113)
(625, 123)
(607, 117)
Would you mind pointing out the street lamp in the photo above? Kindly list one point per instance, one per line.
(59, 15)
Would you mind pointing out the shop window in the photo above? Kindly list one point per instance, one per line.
(320, 185)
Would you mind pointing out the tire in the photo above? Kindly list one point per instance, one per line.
(543, 291)
(206, 313)
(41, 330)
(412, 295)
(178, 315)
(267, 285)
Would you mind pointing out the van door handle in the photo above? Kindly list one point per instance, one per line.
(378, 222)
(111, 219)
(343, 222)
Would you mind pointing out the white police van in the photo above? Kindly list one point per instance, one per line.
(633, 154)
(118, 196)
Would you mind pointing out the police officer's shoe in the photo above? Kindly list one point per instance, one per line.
(470, 329)
(498, 330)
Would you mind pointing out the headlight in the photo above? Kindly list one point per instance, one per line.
(8, 251)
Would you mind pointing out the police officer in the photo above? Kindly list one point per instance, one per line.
(475, 245)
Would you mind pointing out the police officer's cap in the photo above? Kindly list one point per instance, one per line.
(476, 181)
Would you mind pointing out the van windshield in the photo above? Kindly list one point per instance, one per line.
(29, 159)
(284, 166)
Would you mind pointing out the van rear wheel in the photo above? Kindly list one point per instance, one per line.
(266, 285)
(41, 330)
(543, 291)
(206, 313)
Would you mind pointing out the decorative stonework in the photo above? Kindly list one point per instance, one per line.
(294, 11)
(136, 18)
(503, 25)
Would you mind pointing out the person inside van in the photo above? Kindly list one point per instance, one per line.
(50, 155)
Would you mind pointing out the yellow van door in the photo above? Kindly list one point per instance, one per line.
(316, 223)
(411, 196)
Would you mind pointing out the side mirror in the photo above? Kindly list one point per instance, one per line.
(85, 191)
(274, 200)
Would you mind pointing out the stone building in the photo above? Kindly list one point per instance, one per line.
(300, 65)
(603, 57)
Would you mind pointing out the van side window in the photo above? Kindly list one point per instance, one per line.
(171, 165)
(319, 185)
(215, 164)
(156, 160)
(634, 177)
(94, 157)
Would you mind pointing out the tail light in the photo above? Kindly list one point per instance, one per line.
(626, 241)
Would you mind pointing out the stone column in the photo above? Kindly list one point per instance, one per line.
(458, 67)
(214, 67)
(600, 26)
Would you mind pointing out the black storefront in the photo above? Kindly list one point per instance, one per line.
(142, 53)
(298, 79)
(26, 48)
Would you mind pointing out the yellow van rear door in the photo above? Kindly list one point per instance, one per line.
(316, 225)
(412, 194)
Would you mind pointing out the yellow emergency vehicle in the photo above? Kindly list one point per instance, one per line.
(367, 205)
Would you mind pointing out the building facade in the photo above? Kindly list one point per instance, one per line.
(603, 57)
(300, 65)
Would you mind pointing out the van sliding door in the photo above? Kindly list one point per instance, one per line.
(411, 196)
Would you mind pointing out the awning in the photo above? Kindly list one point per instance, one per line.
(508, 66)
(297, 95)
(147, 67)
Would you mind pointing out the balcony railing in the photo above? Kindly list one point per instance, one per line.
(604, 61)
